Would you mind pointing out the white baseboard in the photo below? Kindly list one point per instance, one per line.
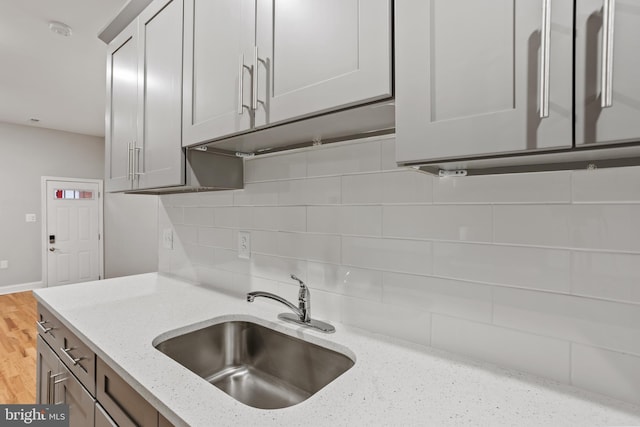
(20, 288)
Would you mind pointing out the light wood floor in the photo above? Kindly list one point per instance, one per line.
(18, 315)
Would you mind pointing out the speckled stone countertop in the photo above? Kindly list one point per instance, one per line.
(392, 382)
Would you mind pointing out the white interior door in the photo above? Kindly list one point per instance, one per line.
(73, 229)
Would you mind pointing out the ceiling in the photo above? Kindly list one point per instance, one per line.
(58, 80)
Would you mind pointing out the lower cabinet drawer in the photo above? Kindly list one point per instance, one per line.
(102, 418)
(78, 357)
(125, 406)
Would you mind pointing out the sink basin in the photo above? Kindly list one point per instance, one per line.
(256, 365)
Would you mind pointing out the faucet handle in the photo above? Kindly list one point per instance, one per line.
(294, 277)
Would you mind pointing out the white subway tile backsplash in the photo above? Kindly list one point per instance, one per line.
(407, 256)
(227, 259)
(183, 234)
(343, 159)
(291, 245)
(323, 248)
(407, 186)
(203, 199)
(343, 280)
(611, 227)
(350, 220)
(324, 191)
(175, 215)
(257, 194)
(220, 279)
(246, 283)
(402, 322)
(538, 272)
(607, 372)
(612, 276)
(362, 189)
(535, 268)
(290, 218)
(611, 325)
(324, 219)
(218, 237)
(233, 217)
(361, 220)
(284, 166)
(452, 222)
(471, 301)
(277, 268)
(607, 185)
(544, 225)
(265, 242)
(546, 357)
(198, 216)
(202, 255)
(312, 191)
(212, 198)
(542, 187)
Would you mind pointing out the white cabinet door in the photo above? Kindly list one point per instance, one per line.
(122, 109)
(619, 122)
(218, 43)
(469, 80)
(158, 156)
(321, 55)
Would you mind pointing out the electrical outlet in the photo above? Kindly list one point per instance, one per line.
(244, 244)
(167, 238)
(30, 217)
(4, 264)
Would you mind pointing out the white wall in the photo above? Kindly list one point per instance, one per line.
(539, 272)
(28, 153)
(131, 233)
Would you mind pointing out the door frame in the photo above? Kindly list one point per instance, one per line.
(44, 219)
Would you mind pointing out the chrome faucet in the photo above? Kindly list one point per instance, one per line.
(302, 312)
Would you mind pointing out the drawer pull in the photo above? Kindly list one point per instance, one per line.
(42, 324)
(51, 386)
(73, 360)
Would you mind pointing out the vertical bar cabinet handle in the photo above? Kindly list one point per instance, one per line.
(545, 55)
(606, 75)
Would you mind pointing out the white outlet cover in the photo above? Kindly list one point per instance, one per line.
(244, 244)
(4, 264)
(30, 217)
(167, 238)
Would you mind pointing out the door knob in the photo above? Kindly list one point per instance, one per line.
(52, 249)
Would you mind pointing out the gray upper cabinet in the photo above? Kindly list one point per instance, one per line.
(480, 78)
(607, 69)
(255, 63)
(144, 111)
(219, 38)
(161, 160)
(315, 56)
(122, 109)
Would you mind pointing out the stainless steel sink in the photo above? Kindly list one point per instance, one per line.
(256, 365)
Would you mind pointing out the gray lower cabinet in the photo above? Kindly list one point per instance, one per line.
(102, 418)
(68, 372)
(125, 406)
(57, 385)
(471, 78)
(122, 109)
(254, 63)
(144, 93)
(607, 69)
